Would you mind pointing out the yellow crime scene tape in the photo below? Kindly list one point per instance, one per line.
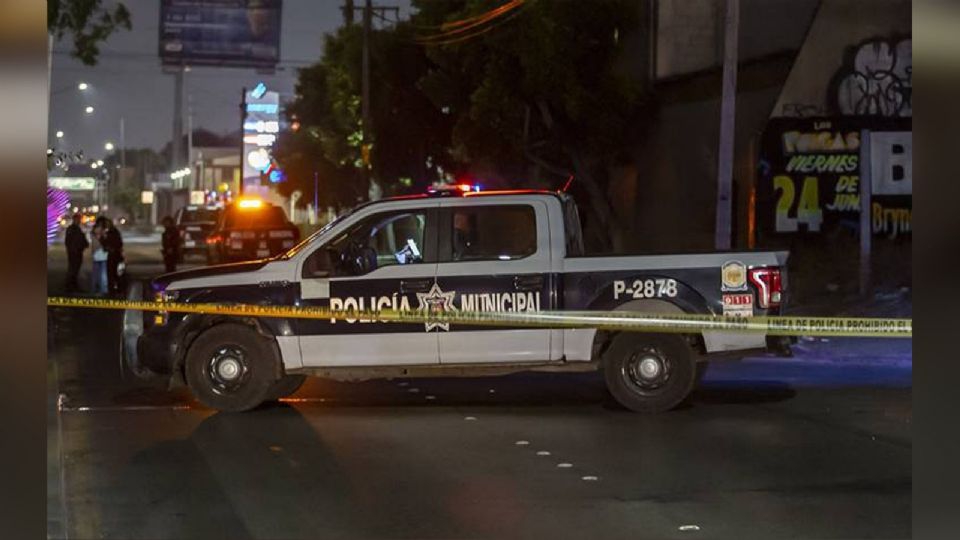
(603, 320)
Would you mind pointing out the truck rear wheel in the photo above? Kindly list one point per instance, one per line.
(286, 386)
(230, 367)
(649, 373)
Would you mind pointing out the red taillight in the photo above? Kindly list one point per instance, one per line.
(213, 239)
(769, 286)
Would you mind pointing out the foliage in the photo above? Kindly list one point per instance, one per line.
(89, 22)
(543, 95)
(531, 99)
(408, 134)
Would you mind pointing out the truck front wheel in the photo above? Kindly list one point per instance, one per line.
(230, 367)
(649, 373)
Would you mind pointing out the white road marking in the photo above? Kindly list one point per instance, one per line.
(492, 391)
(589, 478)
(413, 390)
(470, 418)
(129, 408)
(543, 453)
(431, 397)
(522, 443)
(688, 528)
(564, 465)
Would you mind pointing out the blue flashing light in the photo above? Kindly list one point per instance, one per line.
(258, 91)
(276, 176)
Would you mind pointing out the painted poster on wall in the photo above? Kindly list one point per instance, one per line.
(809, 178)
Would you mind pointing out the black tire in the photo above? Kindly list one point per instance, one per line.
(286, 386)
(649, 373)
(230, 367)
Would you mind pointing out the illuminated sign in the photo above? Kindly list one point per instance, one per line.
(72, 183)
(241, 33)
(269, 108)
(261, 139)
(261, 126)
(146, 197)
(261, 123)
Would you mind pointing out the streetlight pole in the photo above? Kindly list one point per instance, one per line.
(123, 145)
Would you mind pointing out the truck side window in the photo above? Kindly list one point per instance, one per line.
(491, 233)
(377, 241)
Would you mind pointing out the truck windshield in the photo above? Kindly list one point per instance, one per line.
(309, 240)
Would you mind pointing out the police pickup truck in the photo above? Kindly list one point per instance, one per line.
(518, 251)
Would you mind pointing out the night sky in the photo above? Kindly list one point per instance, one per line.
(129, 82)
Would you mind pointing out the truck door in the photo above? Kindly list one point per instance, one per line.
(494, 256)
(382, 262)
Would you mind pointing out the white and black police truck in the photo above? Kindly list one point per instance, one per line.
(517, 251)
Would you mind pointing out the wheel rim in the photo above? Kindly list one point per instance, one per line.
(227, 370)
(647, 370)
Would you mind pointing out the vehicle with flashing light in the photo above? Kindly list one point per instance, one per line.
(459, 249)
(249, 229)
(194, 224)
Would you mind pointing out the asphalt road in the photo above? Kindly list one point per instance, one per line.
(818, 446)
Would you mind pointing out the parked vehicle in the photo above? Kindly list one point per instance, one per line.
(494, 252)
(250, 229)
(195, 223)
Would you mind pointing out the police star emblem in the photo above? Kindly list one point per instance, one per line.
(436, 302)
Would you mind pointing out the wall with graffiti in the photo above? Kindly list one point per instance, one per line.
(852, 76)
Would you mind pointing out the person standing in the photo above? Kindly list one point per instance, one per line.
(75, 242)
(113, 243)
(170, 244)
(98, 275)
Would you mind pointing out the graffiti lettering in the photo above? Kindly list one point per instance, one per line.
(879, 82)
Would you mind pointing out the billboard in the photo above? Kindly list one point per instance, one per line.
(232, 33)
(809, 182)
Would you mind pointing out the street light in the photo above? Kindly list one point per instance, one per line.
(59, 134)
(108, 147)
(94, 165)
(82, 86)
(89, 109)
(99, 163)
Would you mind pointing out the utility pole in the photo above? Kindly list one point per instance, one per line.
(191, 178)
(727, 124)
(123, 145)
(243, 119)
(866, 192)
(368, 9)
(177, 118)
(348, 12)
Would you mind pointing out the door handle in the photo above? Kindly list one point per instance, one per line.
(415, 285)
(528, 283)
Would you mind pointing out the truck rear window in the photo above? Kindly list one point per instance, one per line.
(255, 218)
(199, 215)
(490, 233)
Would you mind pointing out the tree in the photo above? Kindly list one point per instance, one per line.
(88, 21)
(542, 94)
(409, 135)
